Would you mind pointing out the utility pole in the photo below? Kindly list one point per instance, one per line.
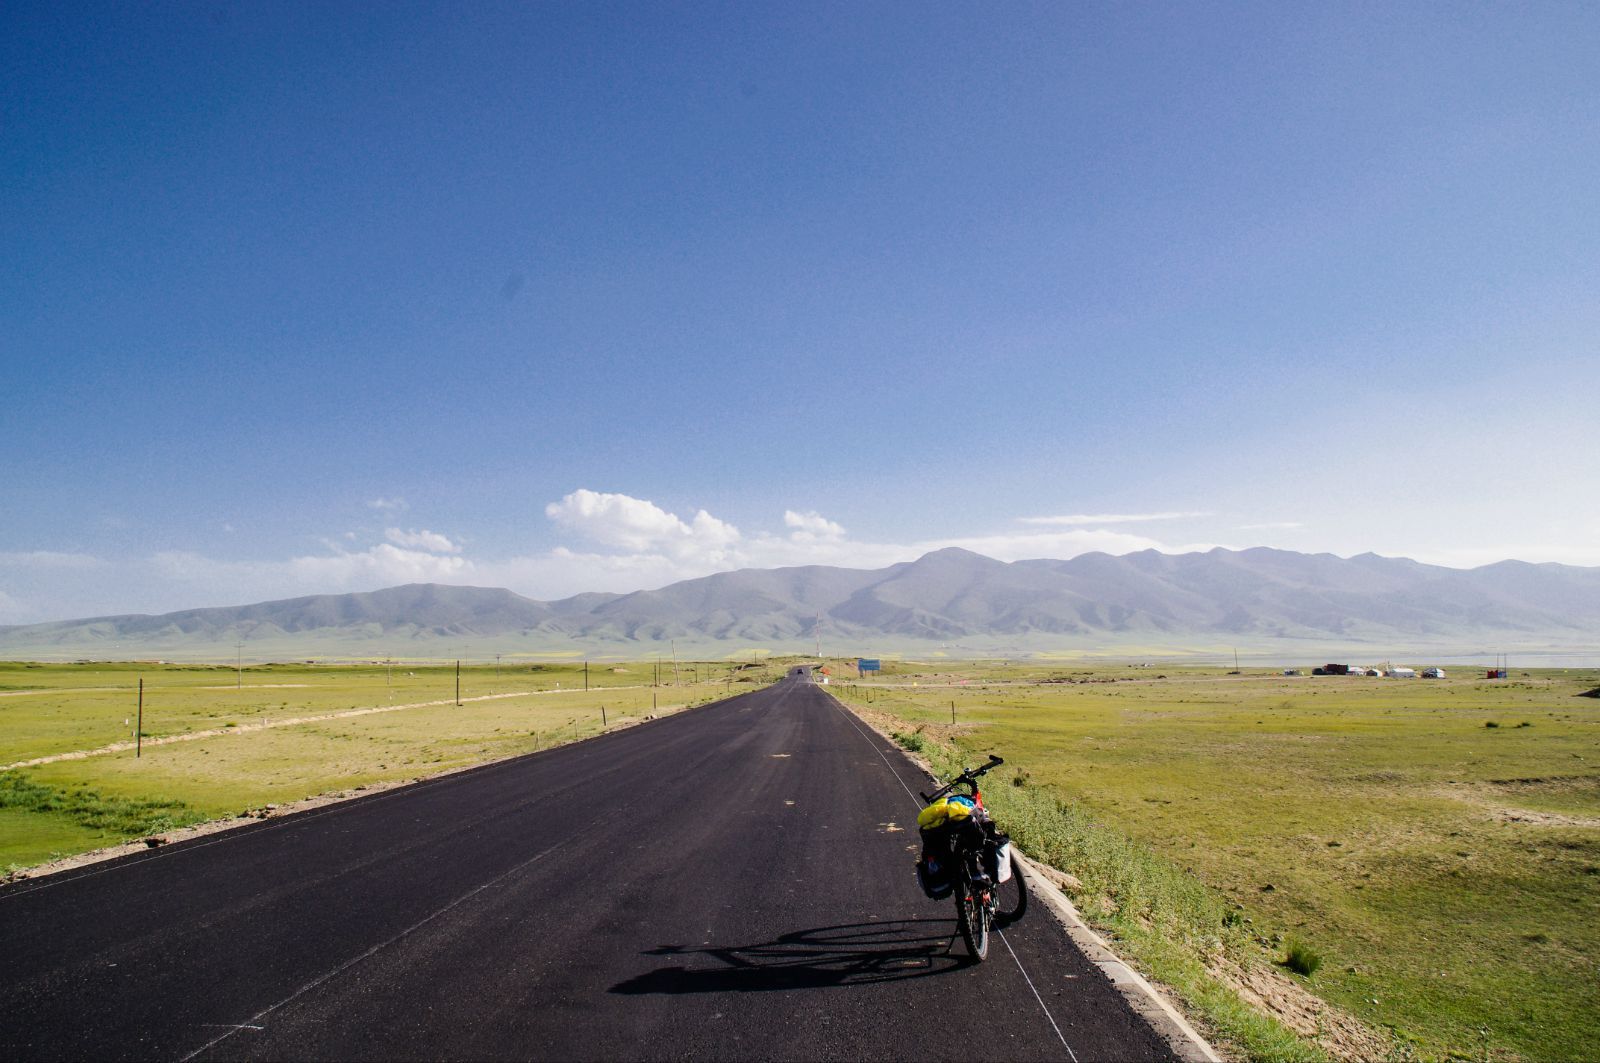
(586, 680)
(138, 728)
(238, 664)
(674, 644)
(458, 683)
(497, 666)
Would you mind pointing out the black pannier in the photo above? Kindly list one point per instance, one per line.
(933, 875)
(940, 848)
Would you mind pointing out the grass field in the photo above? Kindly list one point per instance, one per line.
(247, 750)
(1435, 843)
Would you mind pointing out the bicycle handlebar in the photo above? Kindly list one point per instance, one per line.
(968, 776)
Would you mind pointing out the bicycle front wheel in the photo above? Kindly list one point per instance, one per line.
(972, 917)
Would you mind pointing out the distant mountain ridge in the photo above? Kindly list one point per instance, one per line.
(949, 596)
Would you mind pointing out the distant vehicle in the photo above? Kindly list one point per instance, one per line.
(1291, 671)
(1333, 669)
(1403, 673)
(1433, 673)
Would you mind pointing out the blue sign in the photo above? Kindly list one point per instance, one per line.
(864, 665)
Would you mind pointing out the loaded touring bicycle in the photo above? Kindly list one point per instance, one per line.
(966, 857)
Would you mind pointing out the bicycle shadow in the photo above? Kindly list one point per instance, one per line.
(818, 958)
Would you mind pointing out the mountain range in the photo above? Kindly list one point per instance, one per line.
(955, 600)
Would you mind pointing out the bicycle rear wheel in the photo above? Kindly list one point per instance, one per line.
(1012, 896)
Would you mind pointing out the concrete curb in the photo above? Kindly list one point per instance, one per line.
(1141, 996)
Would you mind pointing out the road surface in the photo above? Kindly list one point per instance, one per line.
(734, 882)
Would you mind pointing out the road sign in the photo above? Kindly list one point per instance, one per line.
(864, 665)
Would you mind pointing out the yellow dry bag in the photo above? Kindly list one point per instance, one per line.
(946, 810)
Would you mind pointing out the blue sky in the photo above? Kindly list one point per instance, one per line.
(330, 297)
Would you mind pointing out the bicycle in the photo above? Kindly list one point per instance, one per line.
(966, 856)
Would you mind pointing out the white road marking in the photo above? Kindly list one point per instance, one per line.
(848, 716)
(1037, 997)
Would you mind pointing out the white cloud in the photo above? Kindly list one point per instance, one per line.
(388, 505)
(1073, 519)
(383, 565)
(812, 526)
(1276, 525)
(642, 526)
(651, 547)
(421, 540)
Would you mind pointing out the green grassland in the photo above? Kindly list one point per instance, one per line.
(76, 804)
(1446, 871)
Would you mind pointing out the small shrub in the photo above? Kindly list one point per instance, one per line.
(913, 742)
(1302, 959)
(1491, 723)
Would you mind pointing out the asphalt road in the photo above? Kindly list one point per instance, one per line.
(734, 882)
